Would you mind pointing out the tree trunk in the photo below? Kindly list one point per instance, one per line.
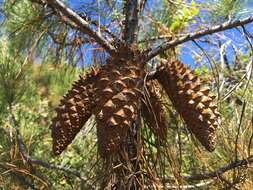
(126, 165)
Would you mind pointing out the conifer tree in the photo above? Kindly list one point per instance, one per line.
(135, 92)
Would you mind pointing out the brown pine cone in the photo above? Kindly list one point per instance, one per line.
(153, 111)
(191, 100)
(72, 113)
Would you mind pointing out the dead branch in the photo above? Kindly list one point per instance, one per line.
(19, 177)
(155, 38)
(218, 28)
(29, 159)
(194, 186)
(84, 26)
(217, 173)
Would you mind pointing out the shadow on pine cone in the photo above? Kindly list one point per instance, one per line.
(153, 111)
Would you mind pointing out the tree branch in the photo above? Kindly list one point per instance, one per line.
(31, 160)
(142, 5)
(21, 178)
(218, 28)
(76, 41)
(82, 24)
(194, 186)
(217, 173)
(131, 12)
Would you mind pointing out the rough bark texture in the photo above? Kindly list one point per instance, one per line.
(153, 111)
(191, 100)
(131, 12)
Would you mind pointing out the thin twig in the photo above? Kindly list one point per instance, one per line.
(218, 28)
(251, 137)
(229, 184)
(29, 159)
(218, 172)
(249, 71)
(238, 130)
(82, 24)
(199, 185)
(213, 67)
(20, 177)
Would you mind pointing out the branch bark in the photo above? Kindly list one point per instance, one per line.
(131, 21)
(29, 159)
(194, 186)
(218, 28)
(82, 24)
(217, 173)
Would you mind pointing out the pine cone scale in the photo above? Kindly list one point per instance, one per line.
(72, 113)
(192, 101)
(117, 108)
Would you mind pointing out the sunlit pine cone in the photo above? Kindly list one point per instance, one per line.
(117, 96)
(72, 113)
(192, 101)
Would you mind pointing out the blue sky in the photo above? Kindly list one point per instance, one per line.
(189, 50)
(233, 38)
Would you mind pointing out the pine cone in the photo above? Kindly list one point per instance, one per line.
(112, 94)
(72, 113)
(116, 96)
(191, 100)
(153, 111)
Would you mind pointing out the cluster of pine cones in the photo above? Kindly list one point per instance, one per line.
(114, 93)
